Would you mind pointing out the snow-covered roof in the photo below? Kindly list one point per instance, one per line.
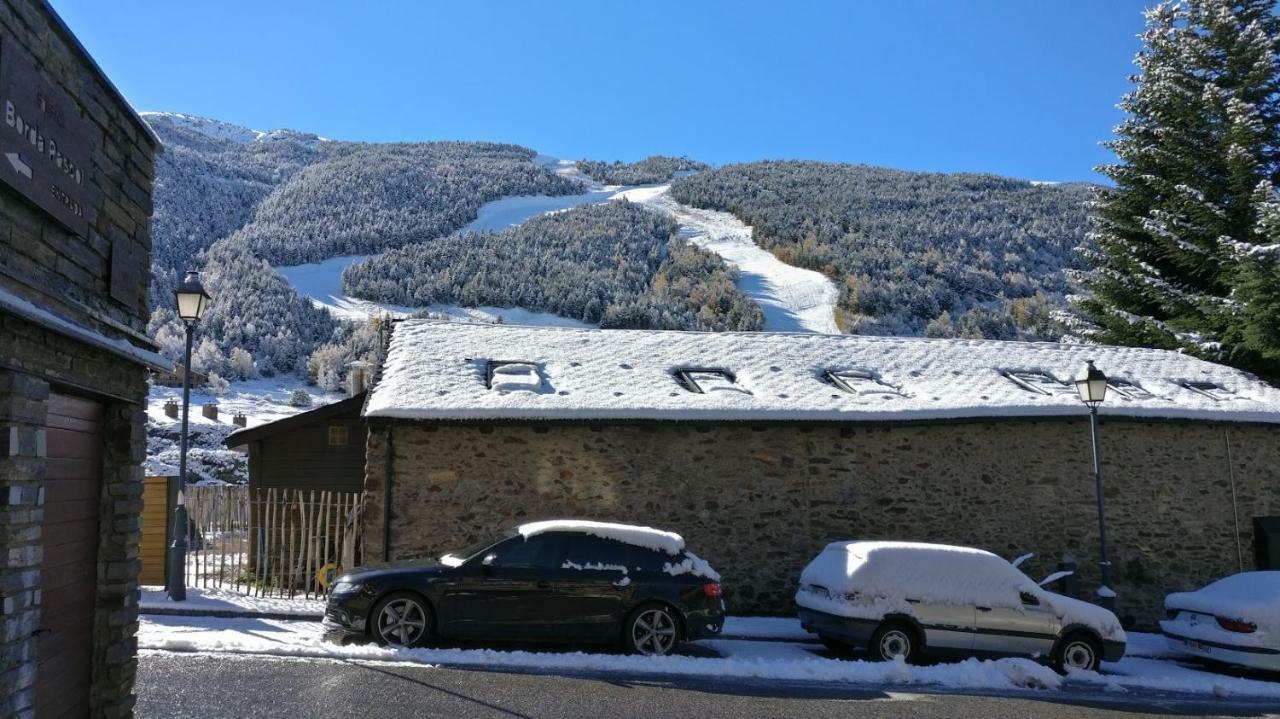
(57, 323)
(648, 537)
(444, 371)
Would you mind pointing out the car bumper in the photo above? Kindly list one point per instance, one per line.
(344, 618)
(853, 631)
(704, 623)
(1254, 657)
(1112, 651)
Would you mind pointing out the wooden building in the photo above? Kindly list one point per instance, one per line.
(321, 449)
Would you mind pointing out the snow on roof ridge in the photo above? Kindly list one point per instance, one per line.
(957, 341)
(656, 539)
(436, 370)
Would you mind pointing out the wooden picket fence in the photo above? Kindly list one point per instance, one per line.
(271, 542)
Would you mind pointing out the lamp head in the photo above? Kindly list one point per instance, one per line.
(192, 299)
(1091, 383)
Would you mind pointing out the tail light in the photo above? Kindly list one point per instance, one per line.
(711, 589)
(1234, 625)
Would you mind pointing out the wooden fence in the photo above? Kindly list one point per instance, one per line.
(285, 542)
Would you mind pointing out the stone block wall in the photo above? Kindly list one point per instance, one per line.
(759, 501)
(97, 279)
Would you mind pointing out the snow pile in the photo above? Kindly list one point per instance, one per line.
(594, 566)
(1252, 597)
(868, 580)
(691, 564)
(647, 537)
(438, 370)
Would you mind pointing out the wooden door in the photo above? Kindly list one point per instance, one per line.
(68, 574)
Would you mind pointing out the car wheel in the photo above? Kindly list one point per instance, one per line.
(401, 619)
(839, 647)
(895, 639)
(1078, 651)
(652, 630)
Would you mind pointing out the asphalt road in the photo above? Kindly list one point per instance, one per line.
(176, 686)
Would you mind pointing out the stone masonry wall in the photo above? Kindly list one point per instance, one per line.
(759, 501)
(99, 281)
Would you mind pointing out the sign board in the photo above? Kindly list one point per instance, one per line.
(45, 143)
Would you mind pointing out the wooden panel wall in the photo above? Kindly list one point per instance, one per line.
(155, 520)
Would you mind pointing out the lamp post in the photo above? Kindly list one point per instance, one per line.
(1091, 383)
(192, 302)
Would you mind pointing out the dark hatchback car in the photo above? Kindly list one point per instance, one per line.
(564, 584)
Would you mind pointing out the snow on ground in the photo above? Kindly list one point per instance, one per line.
(260, 400)
(224, 600)
(779, 661)
(792, 299)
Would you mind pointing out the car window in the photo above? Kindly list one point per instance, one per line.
(1029, 599)
(541, 551)
(600, 553)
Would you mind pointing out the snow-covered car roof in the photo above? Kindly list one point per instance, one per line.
(648, 537)
(1252, 597)
(454, 371)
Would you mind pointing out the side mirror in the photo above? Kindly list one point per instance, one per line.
(488, 562)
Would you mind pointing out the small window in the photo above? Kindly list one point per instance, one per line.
(863, 383)
(1038, 382)
(708, 381)
(339, 435)
(513, 377)
(1212, 390)
(1129, 389)
(1029, 600)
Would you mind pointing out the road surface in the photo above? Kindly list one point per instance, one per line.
(177, 686)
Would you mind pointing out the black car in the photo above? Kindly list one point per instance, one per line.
(562, 584)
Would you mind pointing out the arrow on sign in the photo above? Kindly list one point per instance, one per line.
(19, 166)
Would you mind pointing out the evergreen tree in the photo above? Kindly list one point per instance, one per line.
(1176, 262)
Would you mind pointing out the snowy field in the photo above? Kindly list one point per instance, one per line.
(792, 299)
(777, 659)
(260, 400)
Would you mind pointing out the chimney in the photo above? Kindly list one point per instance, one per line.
(210, 411)
(240, 420)
(357, 377)
(171, 409)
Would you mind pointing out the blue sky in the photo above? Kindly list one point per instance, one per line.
(1019, 87)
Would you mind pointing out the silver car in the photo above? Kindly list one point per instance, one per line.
(905, 599)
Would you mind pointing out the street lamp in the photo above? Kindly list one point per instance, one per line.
(192, 303)
(1091, 383)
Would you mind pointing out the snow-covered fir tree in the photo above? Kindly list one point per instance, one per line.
(1182, 254)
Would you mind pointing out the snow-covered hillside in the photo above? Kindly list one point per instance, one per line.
(793, 299)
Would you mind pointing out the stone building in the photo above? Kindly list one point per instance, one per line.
(761, 448)
(76, 170)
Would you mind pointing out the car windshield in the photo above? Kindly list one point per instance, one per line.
(459, 557)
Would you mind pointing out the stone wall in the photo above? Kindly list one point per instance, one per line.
(99, 281)
(760, 501)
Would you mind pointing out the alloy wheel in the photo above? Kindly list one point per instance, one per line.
(653, 632)
(402, 622)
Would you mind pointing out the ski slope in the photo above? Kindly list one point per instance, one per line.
(792, 299)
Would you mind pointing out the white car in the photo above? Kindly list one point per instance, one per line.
(905, 599)
(1235, 620)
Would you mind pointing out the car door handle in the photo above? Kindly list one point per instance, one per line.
(544, 584)
(983, 609)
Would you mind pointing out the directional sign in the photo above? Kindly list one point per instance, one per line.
(45, 141)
